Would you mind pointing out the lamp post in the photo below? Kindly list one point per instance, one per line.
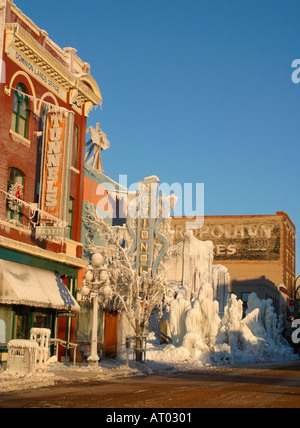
(96, 281)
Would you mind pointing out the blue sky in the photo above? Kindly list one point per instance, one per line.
(194, 91)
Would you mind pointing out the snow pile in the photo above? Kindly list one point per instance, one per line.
(198, 332)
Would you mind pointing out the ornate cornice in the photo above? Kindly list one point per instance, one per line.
(19, 40)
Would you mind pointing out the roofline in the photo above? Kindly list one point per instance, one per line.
(278, 214)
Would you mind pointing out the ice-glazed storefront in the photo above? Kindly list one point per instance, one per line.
(32, 296)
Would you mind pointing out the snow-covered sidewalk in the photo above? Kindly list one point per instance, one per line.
(57, 373)
(159, 360)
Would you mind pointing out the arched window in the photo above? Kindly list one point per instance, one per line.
(20, 114)
(15, 186)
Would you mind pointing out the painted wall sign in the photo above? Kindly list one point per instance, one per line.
(234, 240)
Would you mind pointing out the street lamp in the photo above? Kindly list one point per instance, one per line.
(96, 281)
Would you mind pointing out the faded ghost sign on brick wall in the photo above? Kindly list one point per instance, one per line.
(238, 239)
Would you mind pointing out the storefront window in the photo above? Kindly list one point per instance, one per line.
(27, 318)
(22, 322)
(6, 317)
(43, 319)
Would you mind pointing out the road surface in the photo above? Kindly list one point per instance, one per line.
(266, 386)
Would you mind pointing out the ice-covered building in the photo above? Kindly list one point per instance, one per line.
(189, 264)
(257, 250)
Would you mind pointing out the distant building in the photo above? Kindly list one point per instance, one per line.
(46, 94)
(258, 251)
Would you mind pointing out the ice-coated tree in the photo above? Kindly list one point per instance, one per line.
(136, 295)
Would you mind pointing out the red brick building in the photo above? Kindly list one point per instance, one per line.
(46, 94)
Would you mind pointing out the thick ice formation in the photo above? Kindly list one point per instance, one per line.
(189, 263)
(197, 328)
(206, 323)
(220, 283)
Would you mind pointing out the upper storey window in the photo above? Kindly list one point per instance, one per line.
(15, 186)
(20, 114)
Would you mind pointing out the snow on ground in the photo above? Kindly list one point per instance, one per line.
(160, 359)
(51, 374)
(59, 373)
(201, 340)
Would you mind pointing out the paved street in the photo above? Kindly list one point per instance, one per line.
(266, 386)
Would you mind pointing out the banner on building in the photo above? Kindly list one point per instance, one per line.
(56, 163)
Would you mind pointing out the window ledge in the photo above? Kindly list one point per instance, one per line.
(17, 138)
(6, 224)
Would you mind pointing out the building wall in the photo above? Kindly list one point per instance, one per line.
(105, 195)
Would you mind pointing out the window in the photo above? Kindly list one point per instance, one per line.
(244, 297)
(22, 322)
(70, 216)
(43, 318)
(6, 324)
(20, 114)
(15, 186)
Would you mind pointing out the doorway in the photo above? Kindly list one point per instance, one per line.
(111, 335)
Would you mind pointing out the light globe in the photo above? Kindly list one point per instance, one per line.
(107, 291)
(97, 259)
(104, 275)
(85, 291)
(89, 276)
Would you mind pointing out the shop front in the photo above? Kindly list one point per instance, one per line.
(34, 297)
